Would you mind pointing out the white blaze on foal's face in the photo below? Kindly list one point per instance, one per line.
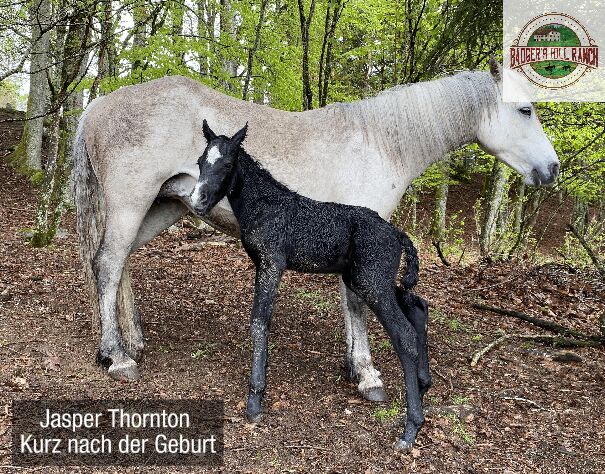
(213, 155)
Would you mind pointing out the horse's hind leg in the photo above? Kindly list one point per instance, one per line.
(121, 228)
(159, 217)
(358, 360)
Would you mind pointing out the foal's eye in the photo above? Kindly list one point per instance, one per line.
(525, 111)
(228, 165)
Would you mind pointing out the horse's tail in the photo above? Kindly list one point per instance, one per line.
(90, 210)
(410, 277)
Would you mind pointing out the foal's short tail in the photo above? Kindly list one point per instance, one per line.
(410, 278)
(90, 210)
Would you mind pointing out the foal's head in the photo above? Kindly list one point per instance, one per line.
(217, 168)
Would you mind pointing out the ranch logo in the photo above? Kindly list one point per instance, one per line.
(554, 51)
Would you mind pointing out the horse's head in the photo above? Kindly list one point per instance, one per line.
(512, 133)
(217, 169)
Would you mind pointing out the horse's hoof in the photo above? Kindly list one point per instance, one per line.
(124, 372)
(135, 353)
(254, 418)
(402, 446)
(375, 394)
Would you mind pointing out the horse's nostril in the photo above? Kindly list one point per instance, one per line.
(554, 169)
(203, 197)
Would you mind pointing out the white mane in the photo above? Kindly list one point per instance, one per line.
(424, 121)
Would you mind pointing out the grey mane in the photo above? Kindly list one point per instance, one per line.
(424, 121)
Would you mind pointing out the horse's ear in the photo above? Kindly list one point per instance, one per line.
(239, 137)
(208, 133)
(495, 68)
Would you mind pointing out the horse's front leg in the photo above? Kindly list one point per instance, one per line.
(358, 359)
(267, 282)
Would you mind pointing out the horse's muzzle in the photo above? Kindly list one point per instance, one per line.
(541, 178)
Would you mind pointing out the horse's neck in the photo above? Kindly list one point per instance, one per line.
(417, 125)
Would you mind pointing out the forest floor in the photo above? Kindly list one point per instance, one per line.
(525, 407)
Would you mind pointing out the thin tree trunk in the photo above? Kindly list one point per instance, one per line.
(139, 39)
(579, 217)
(438, 220)
(40, 18)
(519, 205)
(305, 26)
(496, 195)
(325, 60)
(203, 16)
(252, 51)
(107, 56)
(227, 28)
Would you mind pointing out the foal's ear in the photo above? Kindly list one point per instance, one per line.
(239, 137)
(208, 133)
(495, 68)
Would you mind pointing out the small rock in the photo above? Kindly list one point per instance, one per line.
(20, 383)
(348, 412)
(5, 295)
(61, 233)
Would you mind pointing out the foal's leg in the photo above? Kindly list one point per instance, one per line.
(121, 229)
(268, 276)
(405, 342)
(417, 313)
(358, 359)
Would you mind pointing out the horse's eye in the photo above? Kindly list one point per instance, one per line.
(525, 111)
(228, 165)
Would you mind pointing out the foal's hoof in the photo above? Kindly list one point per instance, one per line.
(402, 446)
(375, 394)
(124, 371)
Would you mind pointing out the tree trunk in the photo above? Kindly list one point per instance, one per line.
(333, 13)
(519, 206)
(107, 52)
(579, 217)
(438, 221)
(203, 16)
(40, 18)
(254, 48)
(496, 196)
(305, 26)
(227, 27)
(139, 39)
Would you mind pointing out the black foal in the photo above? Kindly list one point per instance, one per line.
(281, 230)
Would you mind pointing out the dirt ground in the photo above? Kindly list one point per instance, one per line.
(525, 408)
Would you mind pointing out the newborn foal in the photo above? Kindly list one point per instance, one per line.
(282, 230)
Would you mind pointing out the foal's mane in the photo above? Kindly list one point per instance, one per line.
(251, 166)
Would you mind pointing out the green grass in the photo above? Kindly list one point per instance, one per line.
(384, 414)
(315, 299)
(460, 399)
(202, 350)
(460, 430)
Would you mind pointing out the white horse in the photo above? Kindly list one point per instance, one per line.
(136, 154)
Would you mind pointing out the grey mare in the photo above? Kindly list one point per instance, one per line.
(136, 154)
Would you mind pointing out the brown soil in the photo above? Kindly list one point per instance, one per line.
(524, 408)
